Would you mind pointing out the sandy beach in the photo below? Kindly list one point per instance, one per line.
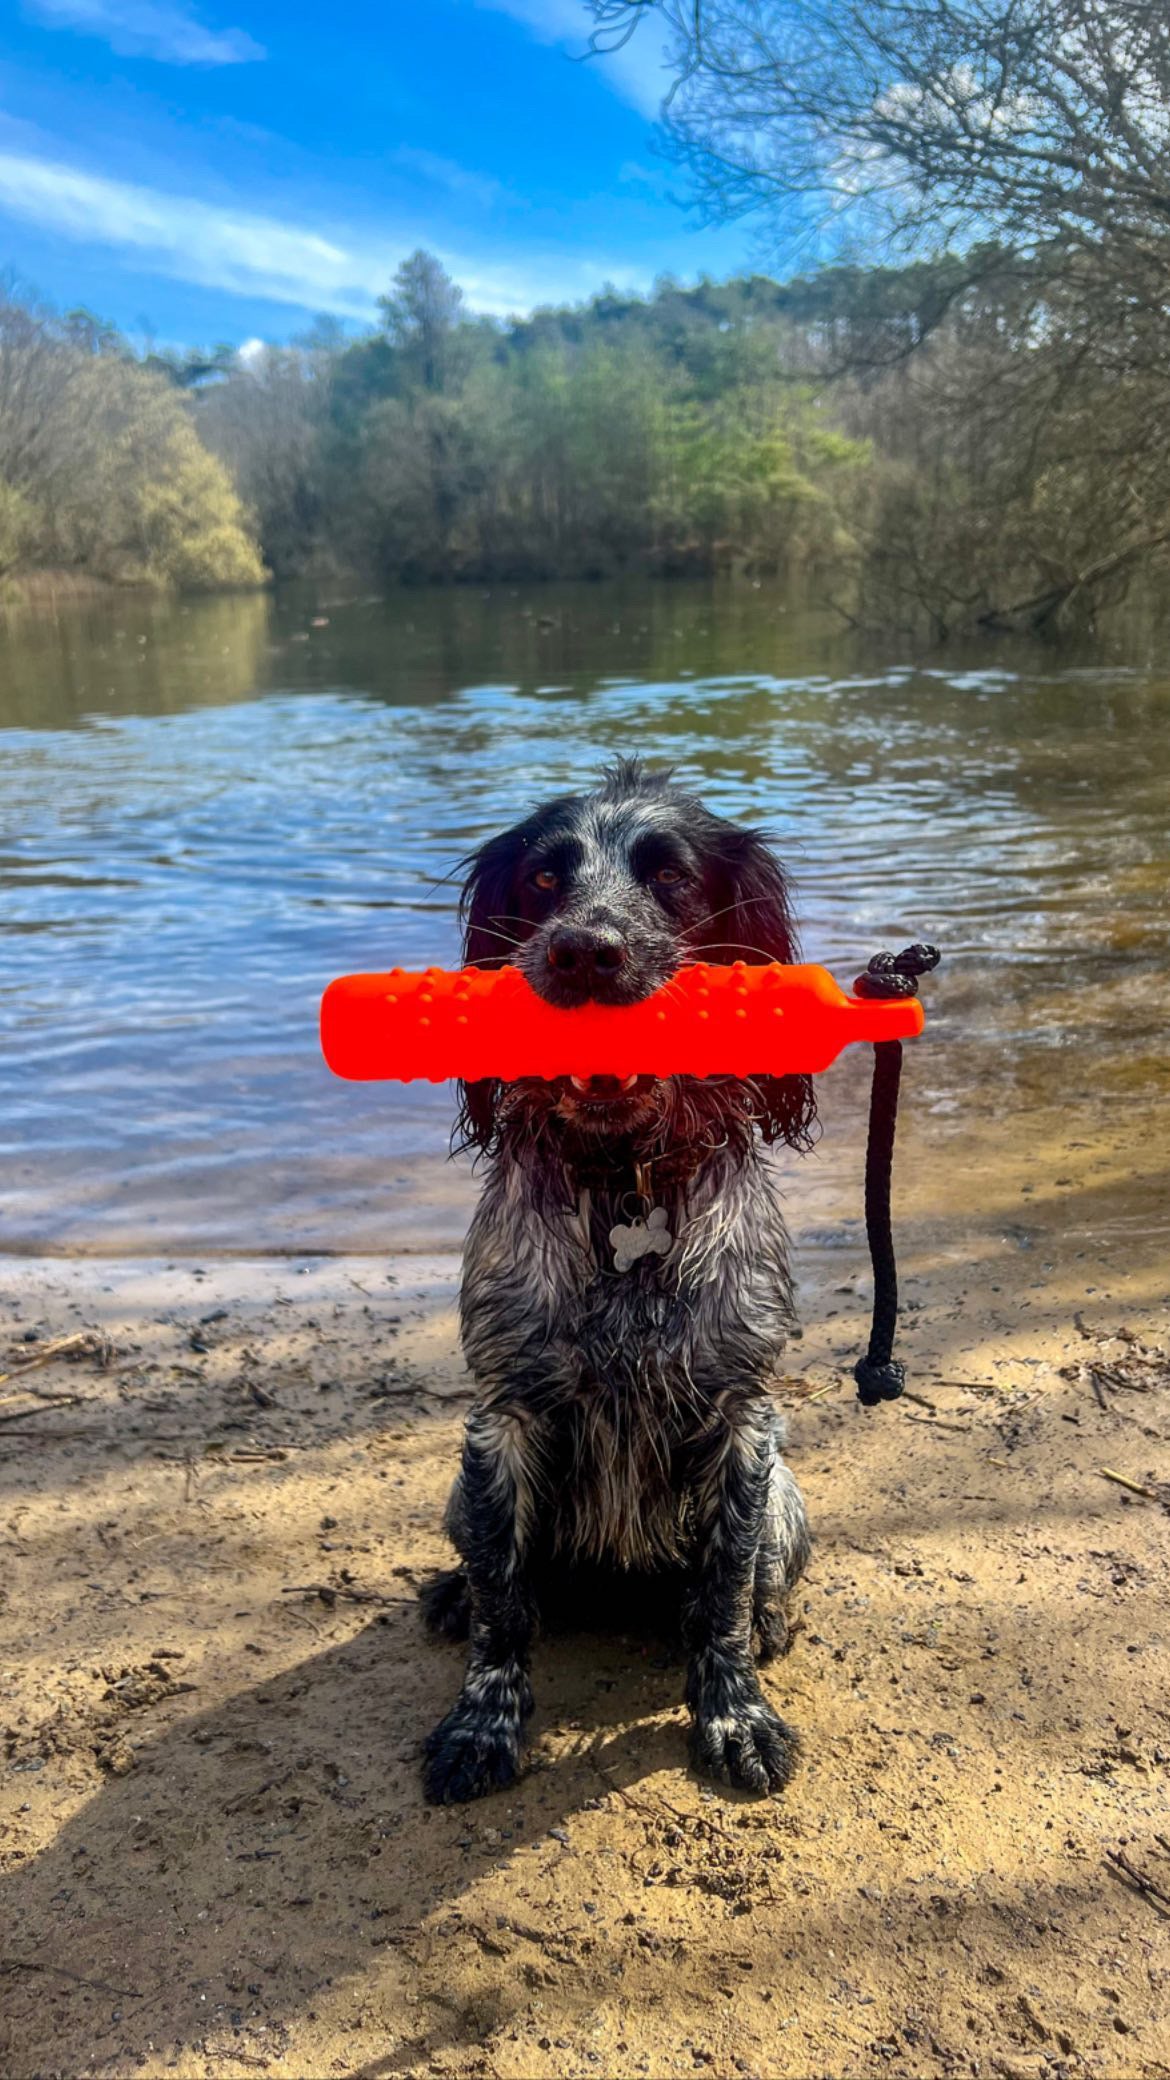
(224, 1480)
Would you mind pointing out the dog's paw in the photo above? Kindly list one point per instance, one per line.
(446, 1604)
(747, 1745)
(472, 1751)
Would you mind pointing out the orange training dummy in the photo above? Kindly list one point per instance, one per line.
(706, 1021)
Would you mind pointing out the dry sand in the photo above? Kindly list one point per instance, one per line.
(216, 1856)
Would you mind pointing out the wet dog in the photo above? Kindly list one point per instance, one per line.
(626, 1291)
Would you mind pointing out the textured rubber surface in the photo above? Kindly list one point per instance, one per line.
(707, 1021)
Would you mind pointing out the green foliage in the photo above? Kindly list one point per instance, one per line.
(102, 471)
(188, 518)
(665, 434)
(939, 446)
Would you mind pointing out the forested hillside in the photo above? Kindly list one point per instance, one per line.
(671, 435)
(927, 447)
(932, 446)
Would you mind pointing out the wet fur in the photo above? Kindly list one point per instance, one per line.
(623, 1421)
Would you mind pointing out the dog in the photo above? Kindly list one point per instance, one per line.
(626, 1289)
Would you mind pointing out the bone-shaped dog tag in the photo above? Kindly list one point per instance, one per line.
(632, 1240)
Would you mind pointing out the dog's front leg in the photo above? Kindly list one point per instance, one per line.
(735, 1733)
(476, 1748)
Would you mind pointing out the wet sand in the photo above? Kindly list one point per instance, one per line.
(217, 1860)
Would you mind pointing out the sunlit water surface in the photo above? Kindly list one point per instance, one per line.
(207, 809)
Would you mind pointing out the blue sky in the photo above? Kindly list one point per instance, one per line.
(227, 169)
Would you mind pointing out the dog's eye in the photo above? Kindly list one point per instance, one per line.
(667, 877)
(545, 879)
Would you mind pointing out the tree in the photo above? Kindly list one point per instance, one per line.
(1028, 142)
(101, 468)
(422, 315)
(1027, 122)
(419, 481)
(266, 423)
(659, 433)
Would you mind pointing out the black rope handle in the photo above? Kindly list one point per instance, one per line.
(879, 1375)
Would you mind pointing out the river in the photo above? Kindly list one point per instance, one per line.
(209, 807)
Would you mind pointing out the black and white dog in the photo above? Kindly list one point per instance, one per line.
(626, 1290)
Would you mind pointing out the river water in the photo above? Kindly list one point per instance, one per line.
(208, 808)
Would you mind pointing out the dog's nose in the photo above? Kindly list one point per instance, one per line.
(588, 952)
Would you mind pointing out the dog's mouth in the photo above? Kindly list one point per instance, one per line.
(603, 1094)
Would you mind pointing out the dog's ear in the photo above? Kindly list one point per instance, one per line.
(755, 924)
(489, 935)
(477, 1118)
(754, 921)
(490, 931)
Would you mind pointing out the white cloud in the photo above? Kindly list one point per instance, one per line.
(251, 255)
(150, 29)
(637, 71)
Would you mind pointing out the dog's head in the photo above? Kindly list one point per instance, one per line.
(599, 898)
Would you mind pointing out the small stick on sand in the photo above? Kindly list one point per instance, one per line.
(332, 1592)
(1135, 1487)
(59, 1971)
(979, 1386)
(638, 1804)
(40, 1401)
(1119, 1861)
(85, 1339)
(828, 1388)
(935, 1422)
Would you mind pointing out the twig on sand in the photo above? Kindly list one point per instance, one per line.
(58, 1971)
(82, 1340)
(1120, 1864)
(1135, 1487)
(976, 1386)
(335, 1592)
(933, 1421)
(40, 1401)
(639, 1805)
(828, 1388)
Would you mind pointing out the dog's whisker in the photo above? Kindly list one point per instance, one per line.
(742, 903)
(732, 946)
(493, 933)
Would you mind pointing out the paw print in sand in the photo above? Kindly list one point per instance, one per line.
(640, 1238)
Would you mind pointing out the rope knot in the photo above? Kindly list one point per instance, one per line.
(878, 1381)
(896, 974)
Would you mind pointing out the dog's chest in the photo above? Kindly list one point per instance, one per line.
(627, 1419)
(621, 1371)
(617, 1496)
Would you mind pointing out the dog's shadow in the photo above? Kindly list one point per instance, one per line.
(271, 1849)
